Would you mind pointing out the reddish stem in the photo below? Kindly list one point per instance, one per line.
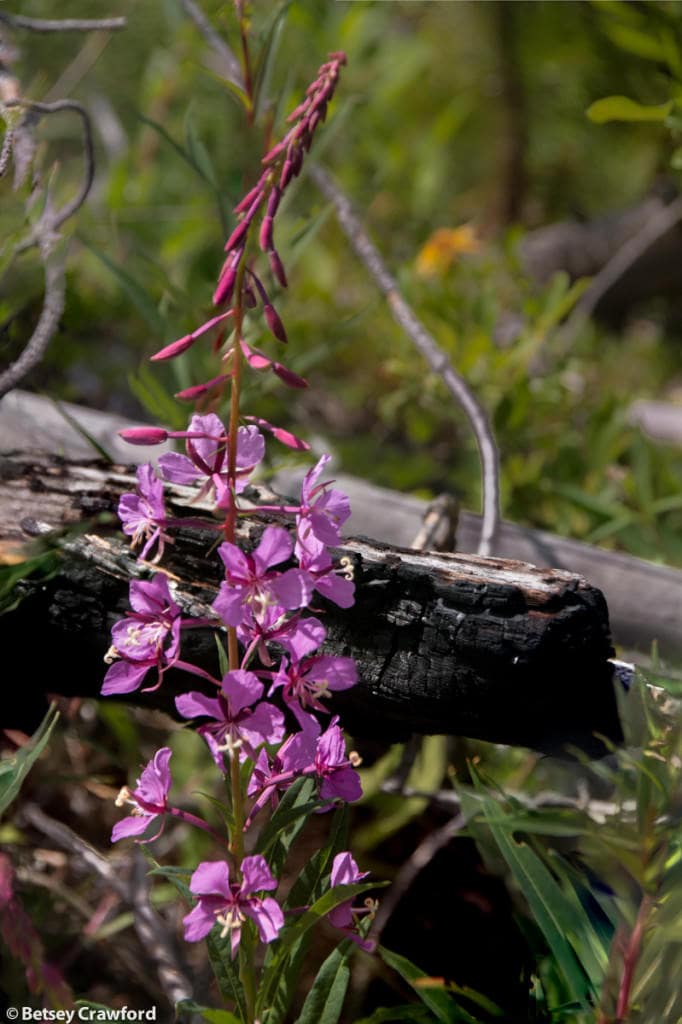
(631, 957)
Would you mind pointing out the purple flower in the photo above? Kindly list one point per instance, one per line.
(345, 917)
(149, 798)
(149, 637)
(298, 636)
(322, 513)
(250, 586)
(207, 458)
(307, 681)
(338, 780)
(335, 584)
(228, 903)
(237, 725)
(269, 776)
(144, 514)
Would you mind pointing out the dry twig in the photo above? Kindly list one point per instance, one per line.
(44, 235)
(426, 344)
(62, 24)
(150, 928)
(621, 261)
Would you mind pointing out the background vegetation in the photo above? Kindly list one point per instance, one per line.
(463, 115)
(450, 114)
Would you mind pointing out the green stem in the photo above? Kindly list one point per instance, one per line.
(247, 975)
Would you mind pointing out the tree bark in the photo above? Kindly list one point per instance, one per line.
(453, 644)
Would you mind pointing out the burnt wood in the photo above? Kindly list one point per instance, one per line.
(447, 643)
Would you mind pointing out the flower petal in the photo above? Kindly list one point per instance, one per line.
(212, 877)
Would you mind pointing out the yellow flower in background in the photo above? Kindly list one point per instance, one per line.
(443, 247)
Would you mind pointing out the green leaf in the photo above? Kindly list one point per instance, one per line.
(433, 995)
(267, 56)
(642, 44)
(553, 914)
(220, 1017)
(309, 885)
(622, 108)
(139, 298)
(294, 931)
(45, 565)
(209, 1013)
(280, 831)
(13, 770)
(415, 1013)
(80, 429)
(223, 659)
(324, 1001)
(289, 980)
(154, 397)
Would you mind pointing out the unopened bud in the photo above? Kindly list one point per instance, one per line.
(174, 349)
(274, 322)
(223, 292)
(237, 235)
(287, 173)
(277, 267)
(144, 435)
(265, 239)
(198, 390)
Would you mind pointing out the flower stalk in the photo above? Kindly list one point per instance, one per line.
(264, 721)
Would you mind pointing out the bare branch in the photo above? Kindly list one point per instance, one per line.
(63, 24)
(68, 210)
(630, 251)
(150, 928)
(413, 867)
(233, 71)
(6, 151)
(426, 344)
(46, 328)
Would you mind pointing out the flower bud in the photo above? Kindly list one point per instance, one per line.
(144, 435)
(248, 199)
(198, 390)
(265, 239)
(237, 235)
(174, 349)
(286, 174)
(274, 322)
(277, 267)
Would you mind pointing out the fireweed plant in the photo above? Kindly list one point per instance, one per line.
(274, 641)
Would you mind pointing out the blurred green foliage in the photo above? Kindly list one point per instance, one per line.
(433, 98)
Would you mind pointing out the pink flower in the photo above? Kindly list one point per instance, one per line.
(345, 917)
(334, 584)
(297, 635)
(305, 683)
(207, 458)
(322, 513)
(149, 637)
(338, 780)
(228, 903)
(149, 798)
(272, 775)
(144, 514)
(249, 585)
(239, 721)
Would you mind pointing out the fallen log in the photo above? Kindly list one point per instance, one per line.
(447, 643)
(644, 599)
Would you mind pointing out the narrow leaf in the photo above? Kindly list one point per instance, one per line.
(622, 108)
(324, 1001)
(441, 1005)
(14, 770)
